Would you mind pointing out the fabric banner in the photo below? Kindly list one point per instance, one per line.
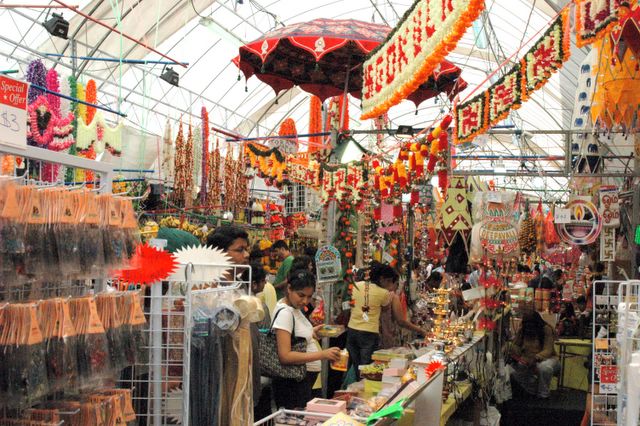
(608, 244)
(609, 206)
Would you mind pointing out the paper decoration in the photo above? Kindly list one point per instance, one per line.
(413, 50)
(455, 217)
(595, 18)
(497, 234)
(148, 265)
(608, 244)
(488, 108)
(394, 411)
(585, 224)
(609, 206)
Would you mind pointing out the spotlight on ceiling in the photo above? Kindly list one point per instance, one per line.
(57, 26)
(170, 76)
(405, 131)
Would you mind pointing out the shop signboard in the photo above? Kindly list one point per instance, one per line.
(328, 264)
(13, 112)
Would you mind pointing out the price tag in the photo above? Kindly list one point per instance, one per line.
(13, 112)
(601, 344)
(562, 216)
(608, 388)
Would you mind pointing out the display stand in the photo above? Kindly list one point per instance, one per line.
(629, 347)
(161, 385)
(604, 373)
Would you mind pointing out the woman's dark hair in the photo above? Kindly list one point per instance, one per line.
(223, 236)
(301, 279)
(434, 280)
(302, 262)
(569, 311)
(257, 272)
(378, 270)
(533, 326)
(280, 244)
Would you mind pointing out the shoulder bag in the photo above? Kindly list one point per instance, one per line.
(270, 364)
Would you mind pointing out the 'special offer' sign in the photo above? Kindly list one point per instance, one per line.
(13, 112)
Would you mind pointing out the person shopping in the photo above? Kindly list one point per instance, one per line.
(534, 357)
(289, 393)
(364, 325)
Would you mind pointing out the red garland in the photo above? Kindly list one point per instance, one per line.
(148, 265)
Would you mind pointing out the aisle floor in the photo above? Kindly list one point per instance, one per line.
(565, 407)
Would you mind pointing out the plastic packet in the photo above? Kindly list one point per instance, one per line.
(134, 339)
(93, 346)
(130, 227)
(25, 376)
(60, 342)
(36, 247)
(108, 313)
(68, 234)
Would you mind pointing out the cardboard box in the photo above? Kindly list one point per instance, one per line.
(372, 386)
(396, 372)
(391, 379)
(399, 363)
(330, 406)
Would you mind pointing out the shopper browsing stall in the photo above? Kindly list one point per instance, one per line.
(392, 316)
(283, 254)
(363, 333)
(289, 323)
(534, 357)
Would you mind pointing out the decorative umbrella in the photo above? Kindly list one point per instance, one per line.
(320, 55)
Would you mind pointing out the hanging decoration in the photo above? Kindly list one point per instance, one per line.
(345, 183)
(179, 166)
(53, 84)
(584, 225)
(91, 94)
(286, 145)
(241, 188)
(148, 266)
(527, 235)
(608, 244)
(546, 56)
(167, 153)
(303, 170)
(595, 18)
(315, 123)
(616, 96)
(213, 177)
(98, 135)
(413, 50)
(36, 74)
(455, 217)
(81, 95)
(229, 182)
(538, 224)
(47, 129)
(335, 119)
(205, 157)
(270, 163)
(188, 169)
(196, 175)
(609, 206)
(494, 236)
(73, 108)
(345, 242)
(551, 237)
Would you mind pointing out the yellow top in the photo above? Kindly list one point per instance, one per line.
(268, 296)
(378, 297)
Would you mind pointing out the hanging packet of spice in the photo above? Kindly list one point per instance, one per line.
(130, 341)
(107, 311)
(36, 242)
(68, 233)
(4, 331)
(139, 329)
(11, 231)
(60, 343)
(129, 226)
(92, 255)
(24, 357)
(113, 236)
(93, 347)
(126, 403)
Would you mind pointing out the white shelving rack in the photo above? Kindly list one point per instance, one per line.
(629, 343)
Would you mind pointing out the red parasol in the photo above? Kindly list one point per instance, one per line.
(317, 55)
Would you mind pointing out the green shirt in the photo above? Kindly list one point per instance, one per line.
(281, 275)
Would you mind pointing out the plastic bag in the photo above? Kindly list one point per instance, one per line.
(134, 337)
(108, 313)
(93, 346)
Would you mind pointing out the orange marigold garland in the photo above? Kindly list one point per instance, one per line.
(418, 44)
(596, 18)
(315, 123)
(288, 128)
(92, 98)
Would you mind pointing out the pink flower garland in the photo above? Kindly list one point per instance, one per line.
(54, 85)
(58, 133)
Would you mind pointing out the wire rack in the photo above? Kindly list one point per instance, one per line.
(604, 372)
(629, 342)
(160, 382)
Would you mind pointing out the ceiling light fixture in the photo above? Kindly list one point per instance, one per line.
(221, 31)
(57, 26)
(170, 76)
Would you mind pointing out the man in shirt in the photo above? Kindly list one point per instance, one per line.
(283, 254)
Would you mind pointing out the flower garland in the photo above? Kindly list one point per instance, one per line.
(596, 18)
(229, 180)
(213, 177)
(270, 163)
(205, 156)
(47, 129)
(179, 167)
(81, 95)
(167, 153)
(53, 84)
(345, 242)
(72, 84)
(241, 188)
(345, 183)
(304, 171)
(546, 56)
(91, 94)
(36, 74)
(188, 168)
(315, 123)
(286, 145)
(99, 135)
(413, 50)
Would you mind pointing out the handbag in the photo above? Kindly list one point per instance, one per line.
(270, 364)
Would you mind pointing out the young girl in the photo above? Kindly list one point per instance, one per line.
(289, 393)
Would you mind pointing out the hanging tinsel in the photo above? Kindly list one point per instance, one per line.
(91, 96)
(36, 74)
(53, 84)
(205, 154)
(315, 123)
(178, 168)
